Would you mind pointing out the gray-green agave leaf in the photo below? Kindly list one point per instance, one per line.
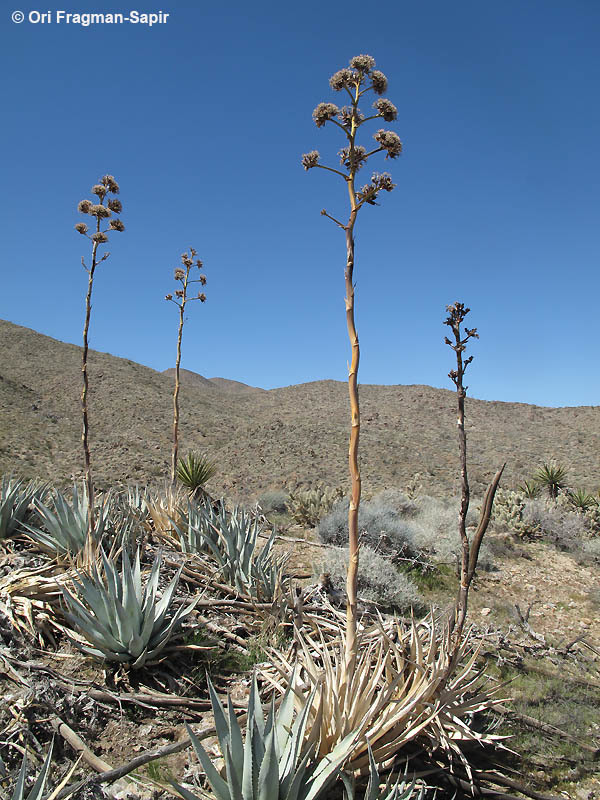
(63, 524)
(398, 789)
(15, 498)
(37, 790)
(121, 620)
(230, 539)
(275, 761)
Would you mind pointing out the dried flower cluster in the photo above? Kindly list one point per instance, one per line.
(356, 80)
(107, 185)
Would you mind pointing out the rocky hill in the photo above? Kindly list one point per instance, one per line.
(265, 439)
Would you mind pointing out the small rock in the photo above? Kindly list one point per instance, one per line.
(485, 612)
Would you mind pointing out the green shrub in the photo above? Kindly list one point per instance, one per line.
(308, 506)
(378, 580)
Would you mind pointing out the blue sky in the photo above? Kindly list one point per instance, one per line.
(203, 121)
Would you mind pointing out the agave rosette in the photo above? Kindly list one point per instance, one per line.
(397, 691)
(278, 759)
(122, 620)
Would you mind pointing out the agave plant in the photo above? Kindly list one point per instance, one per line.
(530, 489)
(15, 498)
(277, 760)
(194, 471)
(397, 693)
(123, 621)
(392, 789)
(230, 539)
(65, 524)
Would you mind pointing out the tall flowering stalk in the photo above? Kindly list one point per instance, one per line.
(356, 81)
(100, 211)
(469, 548)
(182, 274)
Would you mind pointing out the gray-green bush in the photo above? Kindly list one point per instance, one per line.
(378, 579)
(274, 500)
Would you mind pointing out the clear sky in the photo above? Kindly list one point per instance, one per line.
(203, 121)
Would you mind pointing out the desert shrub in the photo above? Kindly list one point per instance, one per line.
(401, 501)
(378, 580)
(507, 511)
(381, 527)
(592, 518)
(591, 550)
(557, 525)
(274, 500)
(436, 534)
(309, 506)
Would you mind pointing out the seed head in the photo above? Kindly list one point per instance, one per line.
(379, 81)
(203, 280)
(85, 206)
(82, 228)
(355, 161)
(386, 109)
(99, 211)
(390, 141)
(341, 79)
(363, 63)
(100, 237)
(111, 185)
(201, 297)
(311, 159)
(345, 115)
(199, 263)
(100, 190)
(179, 293)
(116, 225)
(179, 274)
(383, 181)
(115, 205)
(323, 112)
(168, 297)
(193, 253)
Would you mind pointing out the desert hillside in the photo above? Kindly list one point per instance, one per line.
(262, 439)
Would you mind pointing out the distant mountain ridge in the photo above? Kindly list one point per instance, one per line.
(263, 439)
(224, 384)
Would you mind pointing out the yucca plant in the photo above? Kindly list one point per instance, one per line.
(276, 761)
(551, 476)
(182, 275)
(121, 620)
(100, 213)
(530, 489)
(64, 525)
(581, 500)
(194, 471)
(230, 539)
(15, 498)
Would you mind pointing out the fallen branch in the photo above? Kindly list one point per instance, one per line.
(532, 722)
